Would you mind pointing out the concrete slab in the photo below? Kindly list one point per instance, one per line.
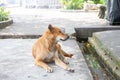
(110, 42)
(86, 31)
(16, 62)
(106, 45)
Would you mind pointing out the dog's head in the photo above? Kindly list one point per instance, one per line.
(58, 33)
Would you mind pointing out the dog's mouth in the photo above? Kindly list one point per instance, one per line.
(65, 38)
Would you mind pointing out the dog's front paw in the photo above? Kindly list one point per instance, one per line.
(49, 70)
(70, 69)
(65, 61)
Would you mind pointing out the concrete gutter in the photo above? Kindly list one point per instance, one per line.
(18, 36)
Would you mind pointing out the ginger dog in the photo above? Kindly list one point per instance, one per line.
(47, 49)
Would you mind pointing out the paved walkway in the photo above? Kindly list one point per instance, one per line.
(17, 63)
(16, 59)
(35, 21)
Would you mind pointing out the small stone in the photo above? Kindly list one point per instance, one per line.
(29, 76)
(45, 75)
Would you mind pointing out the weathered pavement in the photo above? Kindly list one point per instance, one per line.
(106, 44)
(16, 62)
(35, 21)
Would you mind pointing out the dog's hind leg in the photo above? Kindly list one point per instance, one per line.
(43, 65)
(63, 52)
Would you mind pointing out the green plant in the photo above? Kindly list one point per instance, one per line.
(99, 1)
(91, 2)
(4, 15)
(102, 2)
(96, 1)
(73, 4)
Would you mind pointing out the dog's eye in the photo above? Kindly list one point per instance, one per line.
(60, 32)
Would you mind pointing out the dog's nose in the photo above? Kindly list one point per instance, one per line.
(67, 37)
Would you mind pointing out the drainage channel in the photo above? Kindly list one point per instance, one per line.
(97, 68)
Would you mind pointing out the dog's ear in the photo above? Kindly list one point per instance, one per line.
(50, 27)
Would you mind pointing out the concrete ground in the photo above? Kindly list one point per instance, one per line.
(35, 21)
(17, 63)
(110, 41)
(106, 46)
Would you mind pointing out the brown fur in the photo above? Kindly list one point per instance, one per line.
(47, 49)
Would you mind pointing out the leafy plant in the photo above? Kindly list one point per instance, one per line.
(99, 1)
(96, 1)
(102, 2)
(91, 2)
(73, 4)
(4, 15)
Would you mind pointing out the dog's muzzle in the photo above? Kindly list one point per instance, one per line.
(67, 37)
